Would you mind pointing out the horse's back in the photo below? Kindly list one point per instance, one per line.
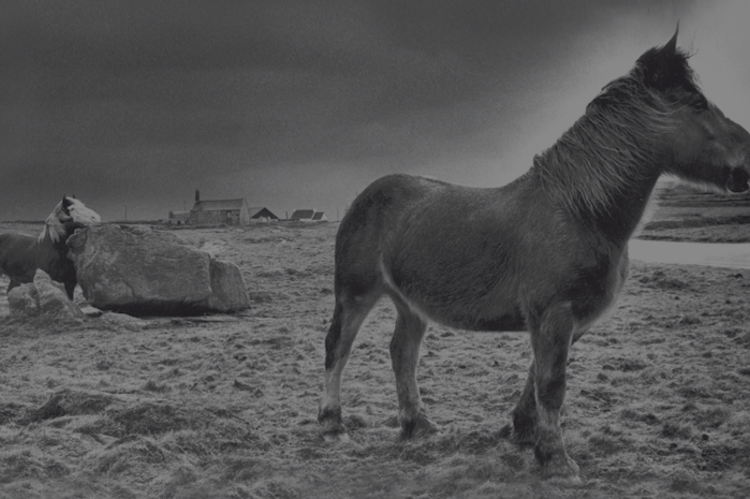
(399, 215)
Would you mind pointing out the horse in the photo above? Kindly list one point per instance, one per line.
(22, 254)
(546, 253)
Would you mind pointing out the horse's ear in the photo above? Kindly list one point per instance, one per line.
(66, 202)
(660, 64)
(671, 45)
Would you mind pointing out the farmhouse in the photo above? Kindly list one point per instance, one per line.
(220, 211)
(308, 216)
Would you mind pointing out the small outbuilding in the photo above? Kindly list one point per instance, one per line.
(262, 214)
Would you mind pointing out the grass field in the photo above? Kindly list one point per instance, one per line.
(658, 401)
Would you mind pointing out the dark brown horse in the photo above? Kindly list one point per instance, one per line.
(21, 254)
(546, 253)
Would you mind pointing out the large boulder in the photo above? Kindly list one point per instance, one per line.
(43, 298)
(141, 271)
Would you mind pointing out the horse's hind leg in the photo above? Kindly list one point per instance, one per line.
(347, 319)
(524, 414)
(407, 337)
(550, 340)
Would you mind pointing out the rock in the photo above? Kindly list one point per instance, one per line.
(43, 298)
(141, 271)
(229, 292)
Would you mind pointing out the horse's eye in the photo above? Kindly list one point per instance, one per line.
(699, 102)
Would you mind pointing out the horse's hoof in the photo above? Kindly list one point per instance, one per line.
(333, 429)
(561, 468)
(334, 432)
(419, 427)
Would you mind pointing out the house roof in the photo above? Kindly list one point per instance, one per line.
(219, 204)
(261, 211)
(318, 215)
(302, 214)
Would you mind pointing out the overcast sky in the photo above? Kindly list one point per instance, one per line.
(132, 105)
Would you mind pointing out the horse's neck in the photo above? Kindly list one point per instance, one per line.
(602, 176)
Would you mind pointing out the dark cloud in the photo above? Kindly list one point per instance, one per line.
(141, 102)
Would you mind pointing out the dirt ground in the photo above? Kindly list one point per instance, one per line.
(658, 401)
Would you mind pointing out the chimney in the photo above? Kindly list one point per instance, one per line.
(197, 196)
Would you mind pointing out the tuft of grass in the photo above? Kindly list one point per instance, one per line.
(150, 418)
(28, 463)
(675, 430)
(153, 386)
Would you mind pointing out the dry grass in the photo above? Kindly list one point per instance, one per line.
(658, 402)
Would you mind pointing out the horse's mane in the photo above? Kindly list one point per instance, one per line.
(608, 151)
(53, 227)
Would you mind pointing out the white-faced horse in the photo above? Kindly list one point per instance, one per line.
(546, 253)
(22, 254)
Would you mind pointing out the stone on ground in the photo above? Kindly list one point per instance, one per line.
(43, 298)
(142, 271)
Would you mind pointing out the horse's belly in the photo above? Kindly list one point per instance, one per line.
(461, 308)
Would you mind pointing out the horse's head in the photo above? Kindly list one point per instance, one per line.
(69, 214)
(706, 146)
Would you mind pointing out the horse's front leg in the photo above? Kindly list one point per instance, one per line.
(407, 337)
(551, 339)
(70, 287)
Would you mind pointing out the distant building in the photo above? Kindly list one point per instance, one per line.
(308, 215)
(219, 211)
(261, 214)
(178, 217)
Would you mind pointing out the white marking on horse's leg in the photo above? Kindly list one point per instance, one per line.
(551, 340)
(347, 319)
(407, 337)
